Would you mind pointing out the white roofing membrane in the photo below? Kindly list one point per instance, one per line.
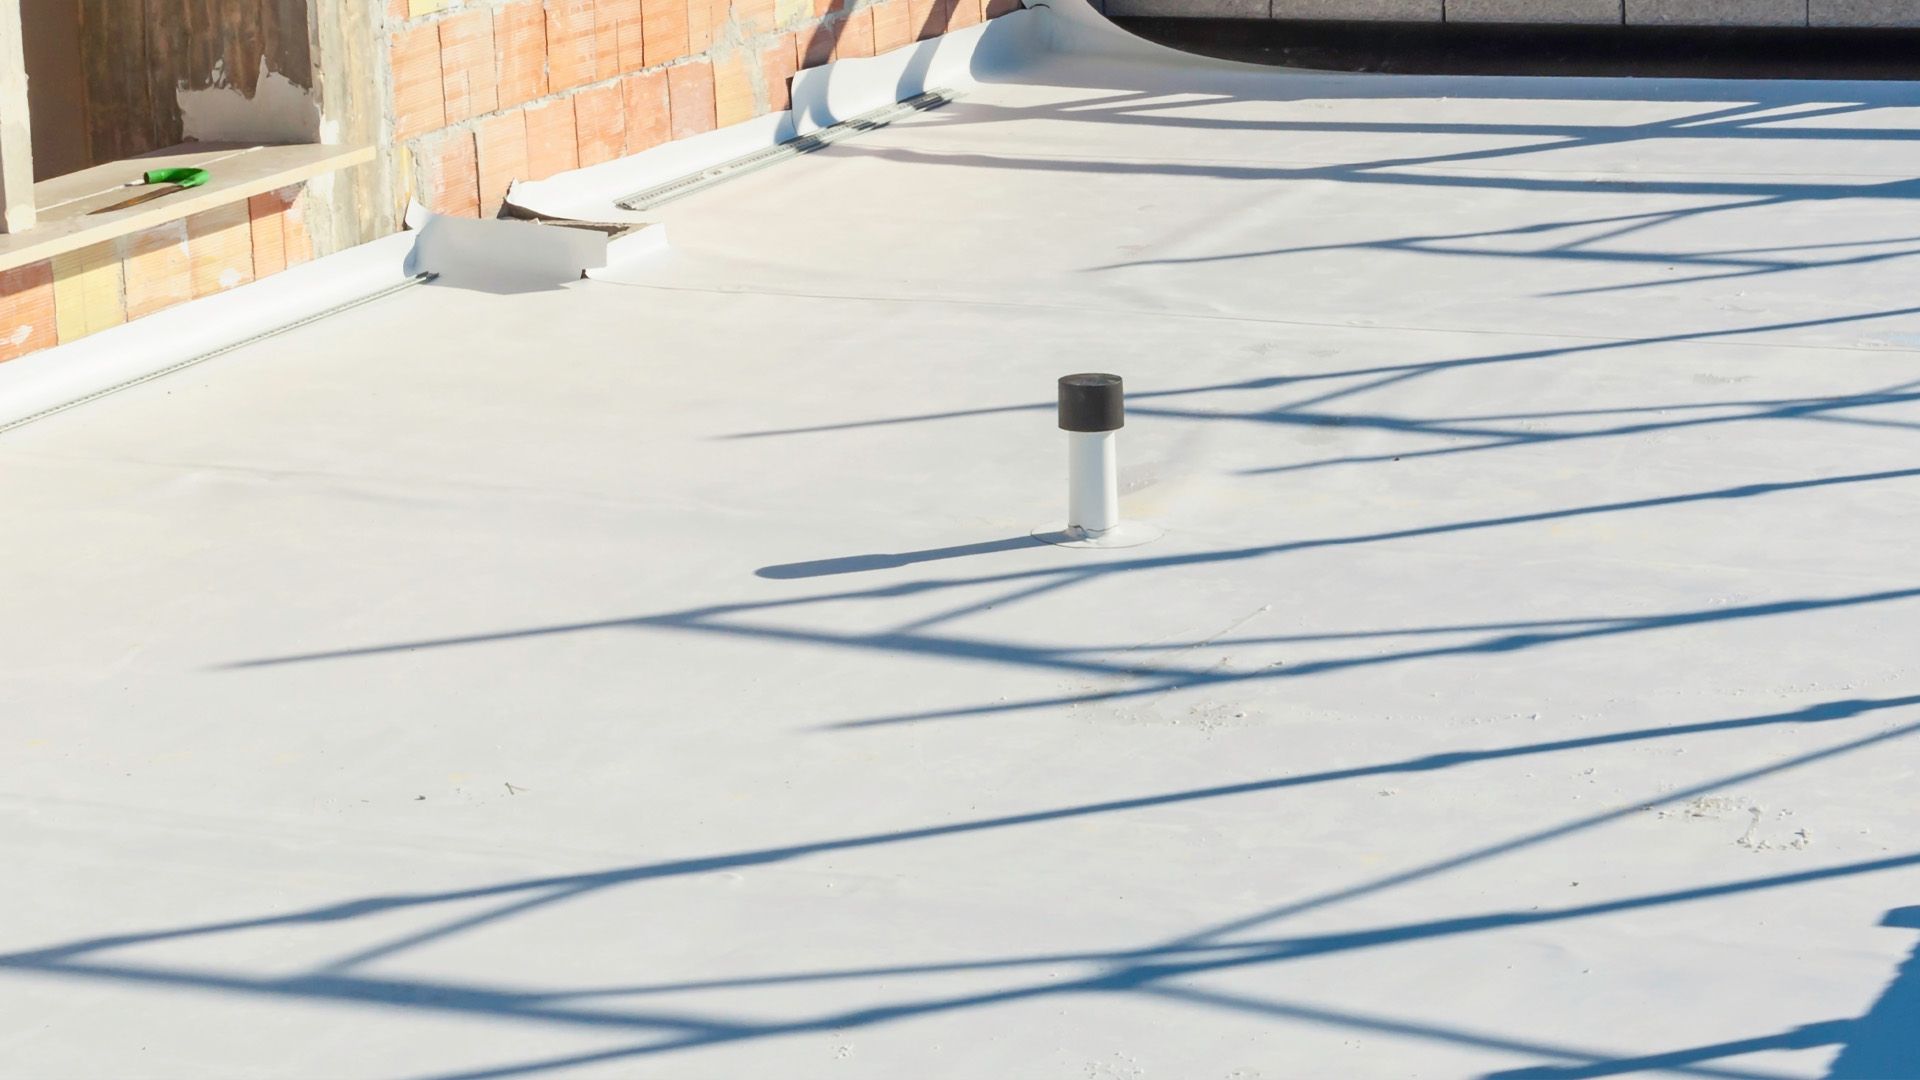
(655, 676)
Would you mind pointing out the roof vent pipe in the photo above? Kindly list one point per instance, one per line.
(1092, 412)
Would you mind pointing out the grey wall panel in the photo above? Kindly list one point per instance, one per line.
(1864, 12)
(1598, 12)
(1396, 10)
(1717, 12)
(1190, 9)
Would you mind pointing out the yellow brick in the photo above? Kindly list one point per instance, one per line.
(87, 288)
(417, 8)
(733, 88)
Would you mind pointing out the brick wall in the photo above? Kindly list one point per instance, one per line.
(69, 296)
(485, 94)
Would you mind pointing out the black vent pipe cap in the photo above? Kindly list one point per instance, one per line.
(1092, 402)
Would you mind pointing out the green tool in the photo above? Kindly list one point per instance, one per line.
(169, 181)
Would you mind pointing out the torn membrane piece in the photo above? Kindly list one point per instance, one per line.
(500, 256)
(628, 233)
(506, 255)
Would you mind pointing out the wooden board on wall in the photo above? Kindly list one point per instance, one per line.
(283, 30)
(139, 54)
(170, 32)
(113, 52)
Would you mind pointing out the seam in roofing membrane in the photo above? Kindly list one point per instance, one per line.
(305, 320)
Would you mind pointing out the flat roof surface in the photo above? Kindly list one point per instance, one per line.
(657, 678)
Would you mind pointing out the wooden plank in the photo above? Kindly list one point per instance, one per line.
(240, 25)
(16, 137)
(238, 174)
(139, 55)
(113, 51)
(177, 35)
(283, 33)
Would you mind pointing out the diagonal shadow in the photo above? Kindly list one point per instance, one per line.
(1884, 1044)
(703, 618)
(1137, 971)
(856, 564)
(1269, 1007)
(561, 886)
(1180, 679)
(1125, 971)
(1393, 374)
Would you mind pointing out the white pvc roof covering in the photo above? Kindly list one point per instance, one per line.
(655, 678)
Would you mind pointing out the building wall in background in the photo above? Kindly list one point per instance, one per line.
(69, 296)
(147, 64)
(487, 94)
(461, 99)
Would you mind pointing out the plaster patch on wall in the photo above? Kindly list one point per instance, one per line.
(278, 112)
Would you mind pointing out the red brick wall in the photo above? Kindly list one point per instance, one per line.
(485, 94)
(70, 296)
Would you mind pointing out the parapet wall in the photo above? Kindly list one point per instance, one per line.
(485, 94)
(458, 98)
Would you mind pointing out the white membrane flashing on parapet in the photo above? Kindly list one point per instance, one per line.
(48, 381)
(482, 253)
(822, 96)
